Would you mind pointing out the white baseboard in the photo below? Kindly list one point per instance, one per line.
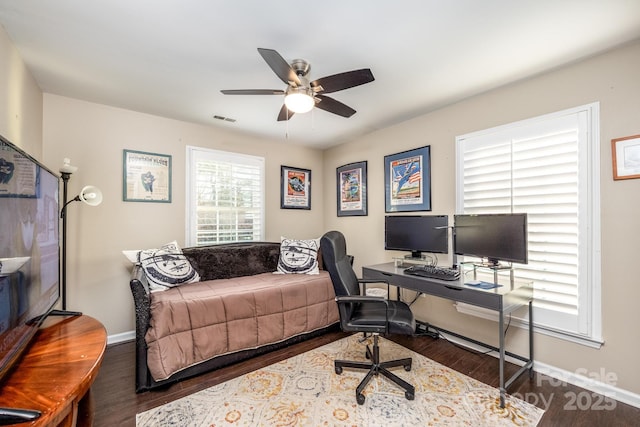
(606, 388)
(121, 337)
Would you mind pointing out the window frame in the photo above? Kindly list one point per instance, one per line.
(194, 153)
(589, 323)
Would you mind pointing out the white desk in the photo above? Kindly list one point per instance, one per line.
(503, 299)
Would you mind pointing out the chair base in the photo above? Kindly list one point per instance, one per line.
(376, 367)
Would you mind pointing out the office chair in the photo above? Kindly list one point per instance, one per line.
(368, 314)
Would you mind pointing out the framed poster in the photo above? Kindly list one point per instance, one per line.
(626, 157)
(146, 177)
(295, 188)
(352, 189)
(407, 180)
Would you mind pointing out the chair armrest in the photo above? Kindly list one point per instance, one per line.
(347, 299)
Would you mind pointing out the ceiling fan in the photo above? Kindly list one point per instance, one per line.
(301, 95)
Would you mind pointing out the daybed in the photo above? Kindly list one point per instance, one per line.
(239, 308)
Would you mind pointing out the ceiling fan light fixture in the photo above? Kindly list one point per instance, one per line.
(301, 95)
(299, 100)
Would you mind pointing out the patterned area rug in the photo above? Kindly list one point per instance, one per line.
(305, 391)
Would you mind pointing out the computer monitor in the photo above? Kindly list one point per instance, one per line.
(417, 234)
(497, 237)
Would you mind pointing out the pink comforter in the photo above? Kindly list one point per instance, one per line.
(195, 322)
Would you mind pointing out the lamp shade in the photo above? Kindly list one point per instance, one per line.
(66, 167)
(91, 195)
(299, 100)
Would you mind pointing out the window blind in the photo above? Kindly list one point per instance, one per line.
(226, 197)
(541, 167)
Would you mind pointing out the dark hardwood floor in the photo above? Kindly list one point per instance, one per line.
(116, 403)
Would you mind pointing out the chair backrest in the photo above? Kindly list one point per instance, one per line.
(338, 264)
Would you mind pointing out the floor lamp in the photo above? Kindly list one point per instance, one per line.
(90, 195)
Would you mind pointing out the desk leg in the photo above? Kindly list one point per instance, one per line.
(531, 339)
(501, 348)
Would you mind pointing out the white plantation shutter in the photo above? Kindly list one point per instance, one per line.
(547, 167)
(226, 197)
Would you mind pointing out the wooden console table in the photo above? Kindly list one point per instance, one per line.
(55, 374)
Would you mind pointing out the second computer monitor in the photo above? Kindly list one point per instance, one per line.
(496, 237)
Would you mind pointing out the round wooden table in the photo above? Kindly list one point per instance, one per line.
(55, 374)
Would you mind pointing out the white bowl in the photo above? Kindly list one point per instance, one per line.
(11, 265)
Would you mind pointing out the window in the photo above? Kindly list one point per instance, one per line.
(225, 201)
(549, 168)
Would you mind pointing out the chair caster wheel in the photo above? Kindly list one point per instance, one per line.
(409, 396)
(338, 370)
(360, 399)
(407, 368)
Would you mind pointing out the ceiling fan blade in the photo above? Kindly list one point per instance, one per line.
(285, 114)
(343, 81)
(253, 92)
(280, 66)
(333, 106)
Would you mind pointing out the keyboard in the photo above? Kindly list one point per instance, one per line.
(433, 272)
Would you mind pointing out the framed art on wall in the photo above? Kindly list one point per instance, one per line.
(146, 177)
(295, 188)
(352, 189)
(407, 180)
(626, 157)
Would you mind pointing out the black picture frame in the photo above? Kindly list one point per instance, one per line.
(295, 188)
(351, 189)
(407, 180)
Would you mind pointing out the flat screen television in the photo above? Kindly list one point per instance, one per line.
(496, 237)
(29, 250)
(417, 234)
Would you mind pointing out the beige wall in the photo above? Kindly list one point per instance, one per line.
(612, 79)
(93, 136)
(20, 101)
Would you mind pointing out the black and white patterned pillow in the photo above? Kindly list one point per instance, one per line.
(298, 256)
(167, 267)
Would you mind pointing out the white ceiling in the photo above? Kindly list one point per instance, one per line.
(172, 57)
